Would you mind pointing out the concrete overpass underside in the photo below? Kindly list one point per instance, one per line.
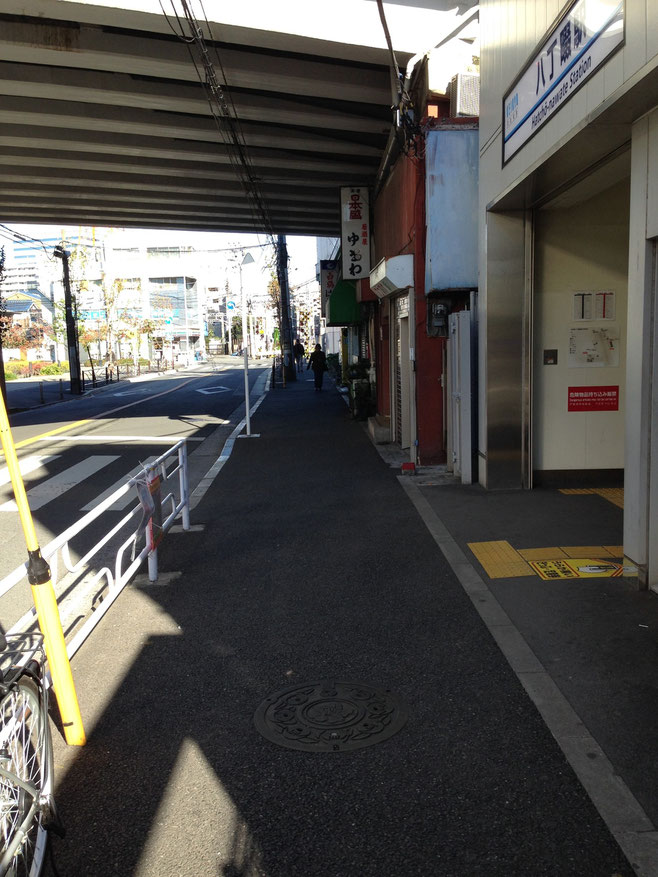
(104, 120)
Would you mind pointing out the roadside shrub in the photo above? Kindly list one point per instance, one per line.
(11, 376)
(333, 365)
(18, 369)
(51, 369)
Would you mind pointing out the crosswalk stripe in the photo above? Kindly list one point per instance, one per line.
(57, 485)
(126, 499)
(27, 465)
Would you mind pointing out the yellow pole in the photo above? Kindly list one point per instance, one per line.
(45, 602)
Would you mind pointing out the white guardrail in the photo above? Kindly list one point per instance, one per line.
(151, 528)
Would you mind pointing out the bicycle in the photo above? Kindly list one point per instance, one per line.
(27, 806)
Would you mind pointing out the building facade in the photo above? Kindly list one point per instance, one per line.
(568, 230)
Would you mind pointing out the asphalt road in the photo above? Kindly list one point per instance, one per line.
(73, 453)
(309, 563)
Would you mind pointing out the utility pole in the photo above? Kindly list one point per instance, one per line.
(71, 333)
(3, 326)
(247, 259)
(286, 332)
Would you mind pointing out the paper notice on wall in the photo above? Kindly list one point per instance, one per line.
(594, 347)
(597, 304)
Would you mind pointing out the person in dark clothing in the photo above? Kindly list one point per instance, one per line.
(298, 353)
(318, 362)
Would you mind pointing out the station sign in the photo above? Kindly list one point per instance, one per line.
(574, 49)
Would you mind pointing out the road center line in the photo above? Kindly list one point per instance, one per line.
(77, 423)
(145, 439)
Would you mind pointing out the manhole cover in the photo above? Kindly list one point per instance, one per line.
(330, 716)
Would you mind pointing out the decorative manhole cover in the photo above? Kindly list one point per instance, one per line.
(330, 716)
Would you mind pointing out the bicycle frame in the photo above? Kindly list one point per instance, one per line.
(21, 831)
(40, 799)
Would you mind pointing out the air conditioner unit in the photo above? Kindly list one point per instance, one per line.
(465, 95)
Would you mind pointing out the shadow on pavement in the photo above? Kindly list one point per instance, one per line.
(314, 565)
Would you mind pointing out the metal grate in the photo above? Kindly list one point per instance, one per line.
(465, 95)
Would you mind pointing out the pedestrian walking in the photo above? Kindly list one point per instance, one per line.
(298, 351)
(318, 362)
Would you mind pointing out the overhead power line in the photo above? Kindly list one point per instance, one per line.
(224, 113)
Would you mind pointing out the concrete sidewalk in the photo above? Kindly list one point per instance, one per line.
(316, 564)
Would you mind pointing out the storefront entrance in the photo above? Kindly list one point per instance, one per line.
(401, 384)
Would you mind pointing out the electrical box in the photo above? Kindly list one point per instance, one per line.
(437, 318)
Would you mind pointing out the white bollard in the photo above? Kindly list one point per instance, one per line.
(246, 390)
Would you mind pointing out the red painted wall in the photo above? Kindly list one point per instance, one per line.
(429, 353)
(399, 228)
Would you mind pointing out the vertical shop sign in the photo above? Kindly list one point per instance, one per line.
(328, 279)
(355, 231)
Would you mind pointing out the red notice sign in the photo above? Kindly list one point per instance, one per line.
(593, 399)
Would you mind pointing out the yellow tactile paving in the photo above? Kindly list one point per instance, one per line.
(500, 560)
(615, 550)
(614, 495)
(585, 551)
(541, 553)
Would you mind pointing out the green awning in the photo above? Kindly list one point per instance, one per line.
(343, 309)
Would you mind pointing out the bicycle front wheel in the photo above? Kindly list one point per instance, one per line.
(24, 781)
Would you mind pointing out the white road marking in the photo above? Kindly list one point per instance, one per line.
(210, 390)
(52, 488)
(26, 466)
(126, 499)
(137, 392)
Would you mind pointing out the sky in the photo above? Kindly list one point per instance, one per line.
(301, 250)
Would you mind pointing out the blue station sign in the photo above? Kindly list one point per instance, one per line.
(574, 49)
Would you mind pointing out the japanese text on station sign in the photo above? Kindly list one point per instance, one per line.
(355, 231)
(583, 39)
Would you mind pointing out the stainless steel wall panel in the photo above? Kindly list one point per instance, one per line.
(506, 328)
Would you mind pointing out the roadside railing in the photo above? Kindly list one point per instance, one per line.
(161, 499)
(107, 374)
